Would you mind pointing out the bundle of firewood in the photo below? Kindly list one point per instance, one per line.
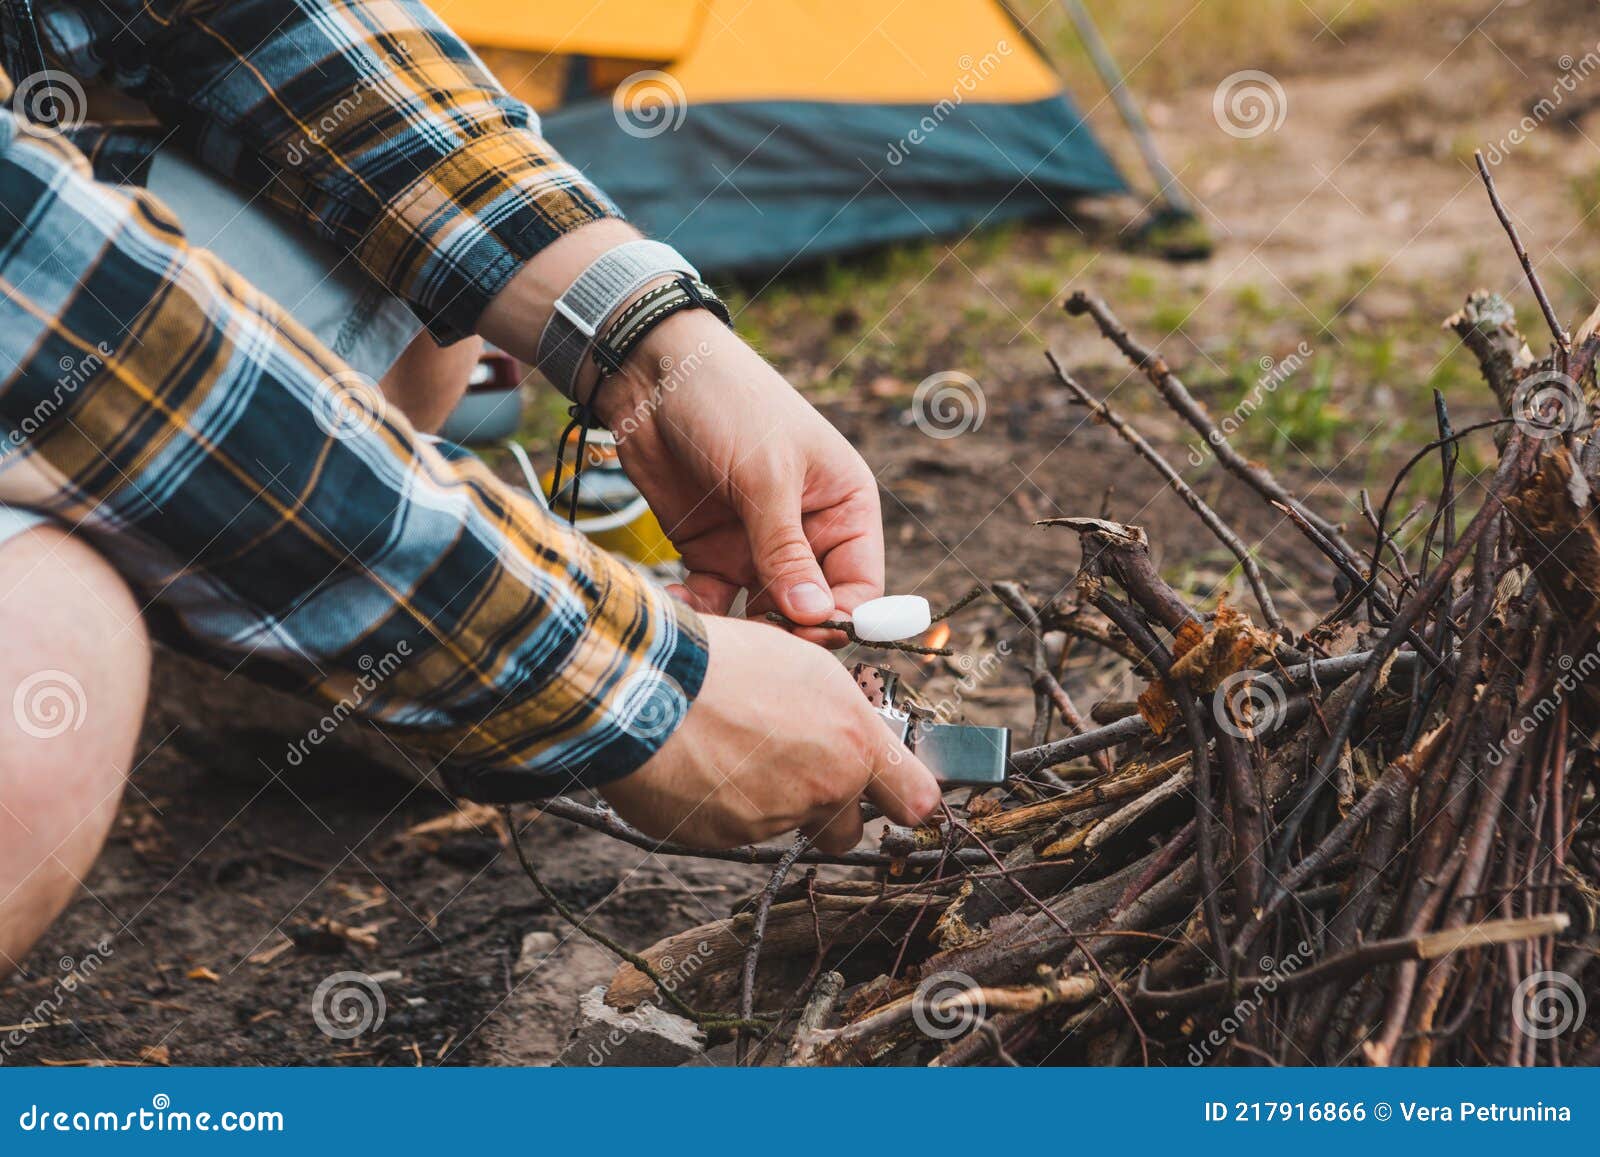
(1372, 840)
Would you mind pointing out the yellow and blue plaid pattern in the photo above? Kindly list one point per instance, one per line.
(370, 122)
(273, 518)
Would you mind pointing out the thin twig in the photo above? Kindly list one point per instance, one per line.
(1213, 522)
(1563, 342)
(706, 1020)
(752, 952)
(848, 629)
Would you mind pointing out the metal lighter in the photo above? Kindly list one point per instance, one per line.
(957, 753)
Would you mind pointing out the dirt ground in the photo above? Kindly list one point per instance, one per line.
(1354, 228)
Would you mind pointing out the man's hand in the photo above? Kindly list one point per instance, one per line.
(756, 490)
(754, 487)
(779, 738)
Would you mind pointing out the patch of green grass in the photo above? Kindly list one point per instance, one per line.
(1300, 413)
(1170, 316)
(1371, 355)
(1139, 285)
(1038, 286)
(1251, 301)
(989, 244)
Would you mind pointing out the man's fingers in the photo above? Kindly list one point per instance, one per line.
(854, 566)
(708, 594)
(786, 566)
(838, 831)
(904, 789)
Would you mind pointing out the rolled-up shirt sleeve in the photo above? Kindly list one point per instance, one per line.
(372, 123)
(279, 522)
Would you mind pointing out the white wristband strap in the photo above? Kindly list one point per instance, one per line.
(599, 292)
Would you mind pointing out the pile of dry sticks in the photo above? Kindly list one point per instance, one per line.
(1372, 842)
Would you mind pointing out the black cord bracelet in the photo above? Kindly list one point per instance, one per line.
(612, 350)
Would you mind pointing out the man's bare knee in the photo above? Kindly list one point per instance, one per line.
(73, 679)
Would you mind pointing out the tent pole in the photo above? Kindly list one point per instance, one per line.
(1168, 189)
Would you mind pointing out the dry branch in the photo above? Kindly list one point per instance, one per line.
(1369, 830)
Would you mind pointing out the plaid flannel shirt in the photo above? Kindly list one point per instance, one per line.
(274, 519)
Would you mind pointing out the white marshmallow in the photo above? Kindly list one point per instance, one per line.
(890, 619)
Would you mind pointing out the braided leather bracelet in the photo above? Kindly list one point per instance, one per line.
(612, 349)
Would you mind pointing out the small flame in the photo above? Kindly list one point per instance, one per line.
(938, 635)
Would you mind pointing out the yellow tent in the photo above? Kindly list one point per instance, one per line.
(755, 132)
